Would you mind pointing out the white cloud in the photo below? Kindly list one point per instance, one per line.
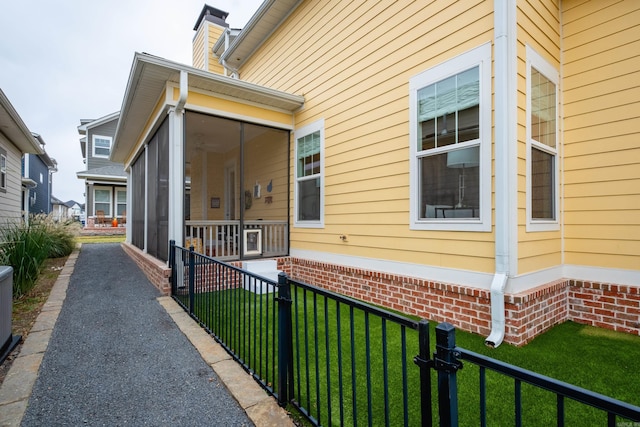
(68, 60)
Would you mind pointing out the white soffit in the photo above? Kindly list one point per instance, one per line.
(147, 83)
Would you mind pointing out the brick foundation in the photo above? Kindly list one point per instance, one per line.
(158, 273)
(527, 314)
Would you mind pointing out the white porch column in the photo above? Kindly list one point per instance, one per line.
(127, 225)
(176, 163)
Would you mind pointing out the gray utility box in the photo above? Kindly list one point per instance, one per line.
(7, 340)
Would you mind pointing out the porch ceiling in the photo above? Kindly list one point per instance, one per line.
(147, 82)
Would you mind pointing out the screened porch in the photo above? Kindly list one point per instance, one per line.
(236, 183)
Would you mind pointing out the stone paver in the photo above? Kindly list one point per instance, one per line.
(261, 408)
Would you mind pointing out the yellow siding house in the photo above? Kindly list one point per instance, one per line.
(475, 161)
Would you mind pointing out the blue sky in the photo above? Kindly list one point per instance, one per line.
(62, 61)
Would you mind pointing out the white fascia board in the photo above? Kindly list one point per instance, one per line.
(253, 25)
(83, 175)
(101, 121)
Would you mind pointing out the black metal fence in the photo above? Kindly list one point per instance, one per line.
(339, 361)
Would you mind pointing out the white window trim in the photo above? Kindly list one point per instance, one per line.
(536, 61)
(106, 214)
(93, 145)
(306, 130)
(116, 203)
(481, 57)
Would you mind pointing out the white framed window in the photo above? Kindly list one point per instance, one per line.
(309, 176)
(450, 138)
(102, 200)
(101, 146)
(3, 171)
(121, 202)
(542, 144)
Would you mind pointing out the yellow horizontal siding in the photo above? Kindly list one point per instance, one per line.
(214, 34)
(355, 76)
(250, 111)
(539, 262)
(613, 232)
(198, 49)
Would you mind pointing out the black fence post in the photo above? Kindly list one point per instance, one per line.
(172, 265)
(447, 364)
(425, 364)
(284, 338)
(192, 274)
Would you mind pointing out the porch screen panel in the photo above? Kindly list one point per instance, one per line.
(162, 197)
(137, 208)
(266, 176)
(152, 194)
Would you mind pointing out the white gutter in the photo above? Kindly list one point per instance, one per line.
(504, 14)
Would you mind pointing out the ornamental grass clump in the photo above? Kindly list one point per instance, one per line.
(25, 247)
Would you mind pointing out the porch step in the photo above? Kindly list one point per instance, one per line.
(265, 268)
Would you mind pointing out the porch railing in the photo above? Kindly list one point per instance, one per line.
(221, 239)
(343, 362)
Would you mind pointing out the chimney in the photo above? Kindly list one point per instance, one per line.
(209, 27)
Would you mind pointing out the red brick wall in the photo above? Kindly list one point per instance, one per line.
(605, 305)
(527, 315)
(158, 273)
(531, 313)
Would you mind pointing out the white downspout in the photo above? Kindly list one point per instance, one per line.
(504, 16)
(227, 68)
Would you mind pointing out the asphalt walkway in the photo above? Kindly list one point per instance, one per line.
(108, 349)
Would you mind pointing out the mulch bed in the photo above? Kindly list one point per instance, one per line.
(27, 308)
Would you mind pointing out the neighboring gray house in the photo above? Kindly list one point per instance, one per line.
(105, 181)
(15, 141)
(38, 169)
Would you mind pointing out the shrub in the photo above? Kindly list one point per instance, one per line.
(25, 247)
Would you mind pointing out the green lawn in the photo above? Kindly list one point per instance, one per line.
(326, 379)
(101, 239)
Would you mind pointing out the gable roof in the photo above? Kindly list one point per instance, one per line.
(12, 126)
(111, 172)
(262, 24)
(148, 80)
(86, 124)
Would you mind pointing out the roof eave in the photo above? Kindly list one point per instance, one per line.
(168, 71)
(243, 46)
(12, 125)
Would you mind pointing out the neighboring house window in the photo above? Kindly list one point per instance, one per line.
(309, 173)
(102, 200)
(542, 144)
(101, 146)
(41, 178)
(3, 171)
(121, 202)
(450, 119)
